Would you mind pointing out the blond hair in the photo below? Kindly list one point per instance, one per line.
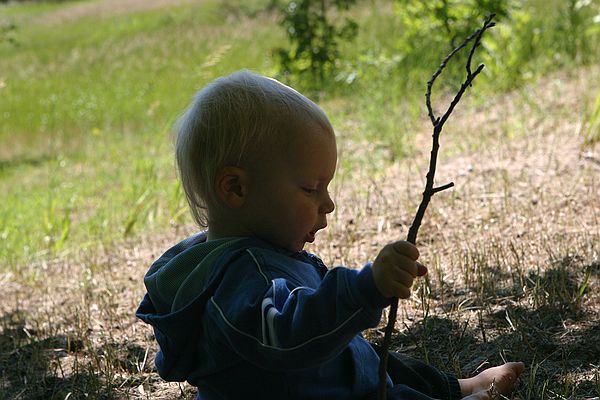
(229, 123)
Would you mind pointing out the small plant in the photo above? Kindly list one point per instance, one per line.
(314, 37)
(591, 125)
(8, 33)
(145, 203)
(56, 224)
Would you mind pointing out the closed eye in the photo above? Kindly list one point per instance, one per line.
(309, 190)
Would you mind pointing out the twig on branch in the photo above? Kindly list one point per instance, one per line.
(430, 190)
(470, 75)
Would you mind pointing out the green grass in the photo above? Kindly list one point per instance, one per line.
(86, 100)
(87, 105)
(88, 109)
(117, 74)
(24, 10)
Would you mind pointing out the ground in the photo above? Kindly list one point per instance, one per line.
(512, 250)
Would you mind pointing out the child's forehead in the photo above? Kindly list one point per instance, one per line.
(309, 136)
(302, 125)
(308, 151)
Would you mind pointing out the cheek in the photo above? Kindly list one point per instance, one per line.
(294, 209)
(308, 212)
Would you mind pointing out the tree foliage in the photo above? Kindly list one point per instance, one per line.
(445, 21)
(533, 38)
(314, 37)
(431, 27)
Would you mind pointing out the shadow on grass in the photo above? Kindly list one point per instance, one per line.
(548, 329)
(59, 366)
(31, 367)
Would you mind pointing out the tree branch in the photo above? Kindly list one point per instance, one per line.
(477, 36)
(430, 190)
(440, 188)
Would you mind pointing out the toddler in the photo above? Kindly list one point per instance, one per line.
(240, 310)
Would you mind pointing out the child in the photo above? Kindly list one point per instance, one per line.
(240, 310)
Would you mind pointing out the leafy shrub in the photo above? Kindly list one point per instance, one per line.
(431, 29)
(314, 38)
(532, 37)
(539, 37)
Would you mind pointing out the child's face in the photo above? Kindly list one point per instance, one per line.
(287, 199)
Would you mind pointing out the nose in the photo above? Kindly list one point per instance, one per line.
(328, 205)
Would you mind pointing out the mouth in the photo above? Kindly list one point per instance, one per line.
(311, 235)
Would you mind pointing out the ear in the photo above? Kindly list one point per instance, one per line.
(230, 186)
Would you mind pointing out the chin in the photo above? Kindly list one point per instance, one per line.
(295, 248)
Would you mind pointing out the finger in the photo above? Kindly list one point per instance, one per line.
(407, 249)
(406, 264)
(399, 290)
(397, 261)
(421, 269)
(403, 278)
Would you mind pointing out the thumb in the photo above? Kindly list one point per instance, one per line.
(421, 269)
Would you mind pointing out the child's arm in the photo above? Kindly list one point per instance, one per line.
(289, 318)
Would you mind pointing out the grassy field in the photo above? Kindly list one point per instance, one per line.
(89, 92)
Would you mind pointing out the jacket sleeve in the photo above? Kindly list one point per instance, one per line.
(276, 323)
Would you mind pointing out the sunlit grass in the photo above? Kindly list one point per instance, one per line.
(87, 105)
(117, 74)
(25, 10)
(87, 117)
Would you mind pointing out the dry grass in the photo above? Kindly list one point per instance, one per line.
(513, 250)
(102, 9)
(513, 256)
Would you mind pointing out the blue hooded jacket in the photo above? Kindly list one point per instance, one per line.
(240, 318)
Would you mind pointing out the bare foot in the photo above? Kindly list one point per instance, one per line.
(503, 377)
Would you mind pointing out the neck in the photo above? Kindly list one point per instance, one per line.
(218, 229)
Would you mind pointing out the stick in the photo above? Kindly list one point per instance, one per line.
(430, 190)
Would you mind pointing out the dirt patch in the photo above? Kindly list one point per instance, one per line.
(104, 8)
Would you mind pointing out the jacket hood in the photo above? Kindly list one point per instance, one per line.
(178, 286)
